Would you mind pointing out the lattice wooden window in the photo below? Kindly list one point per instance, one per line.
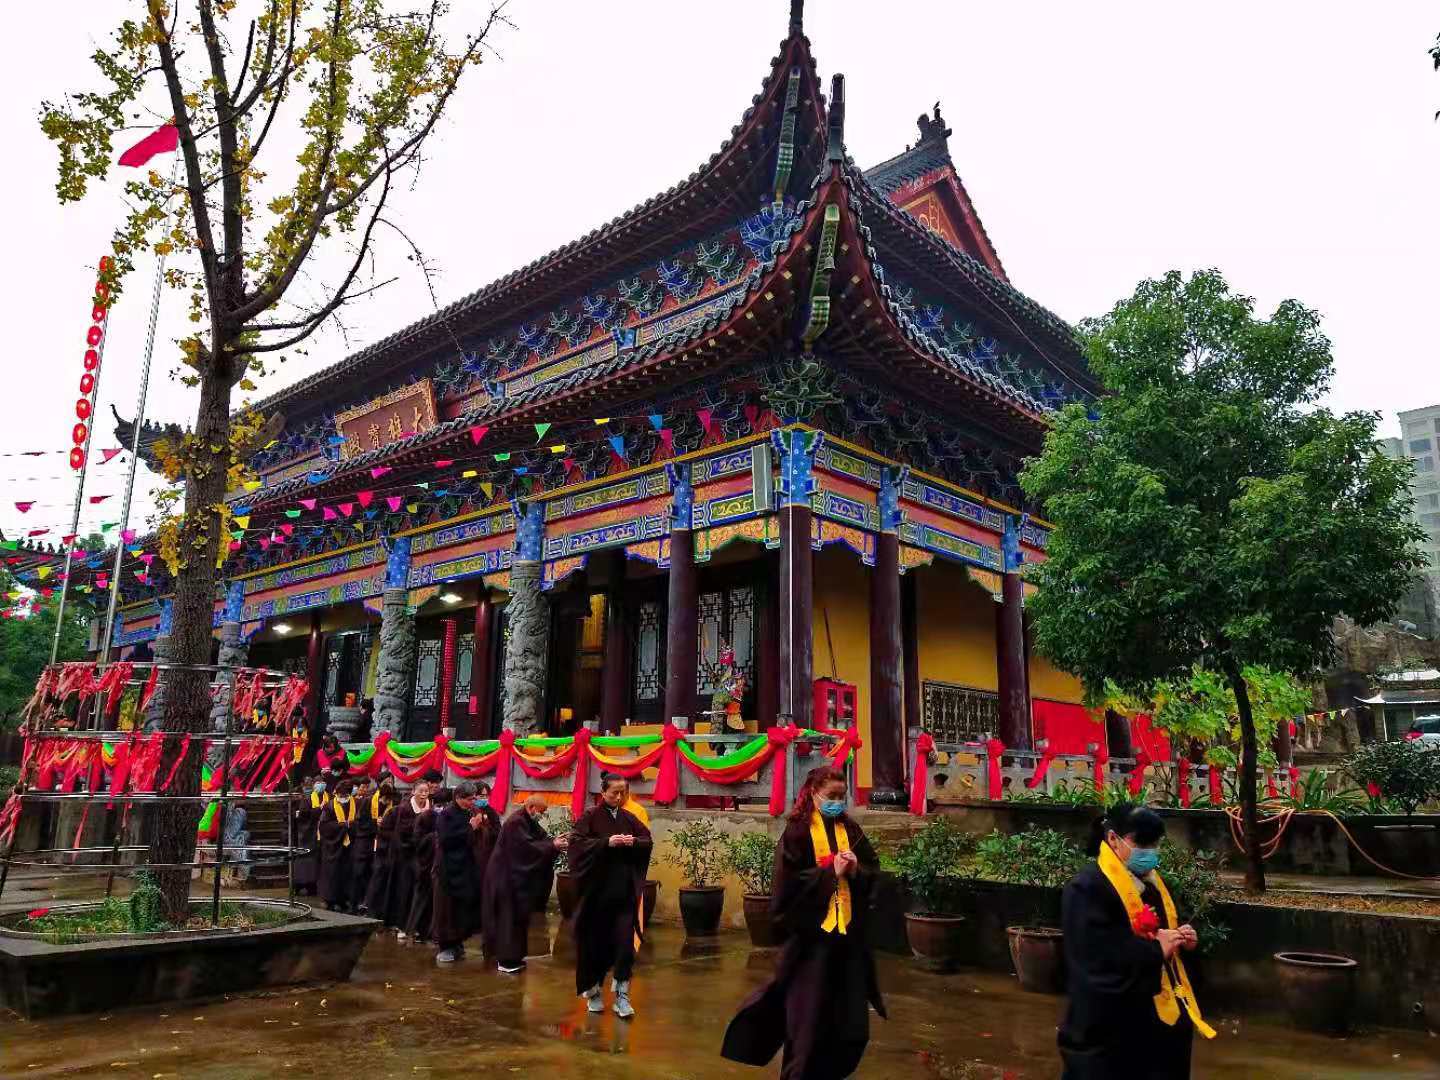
(464, 666)
(725, 617)
(954, 713)
(649, 652)
(427, 673)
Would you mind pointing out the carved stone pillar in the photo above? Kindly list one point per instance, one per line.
(234, 653)
(395, 666)
(160, 653)
(528, 613)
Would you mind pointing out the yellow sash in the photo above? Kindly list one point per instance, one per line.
(375, 806)
(837, 916)
(345, 815)
(317, 801)
(1169, 1000)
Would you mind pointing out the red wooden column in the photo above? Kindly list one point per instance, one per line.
(887, 719)
(1011, 661)
(615, 675)
(482, 667)
(910, 647)
(797, 574)
(767, 653)
(447, 669)
(315, 676)
(682, 620)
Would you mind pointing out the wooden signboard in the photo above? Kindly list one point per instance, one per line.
(397, 415)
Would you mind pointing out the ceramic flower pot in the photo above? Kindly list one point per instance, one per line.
(1039, 959)
(758, 921)
(567, 893)
(935, 940)
(700, 910)
(1318, 990)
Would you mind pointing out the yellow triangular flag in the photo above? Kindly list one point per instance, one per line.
(242, 521)
(468, 473)
(251, 485)
(601, 420)
(488, 488)
(558, 448)
(414, 508)
(43, 572)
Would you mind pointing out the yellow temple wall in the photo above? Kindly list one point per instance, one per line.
(956, 627)
(842, 592)
(1048, 681)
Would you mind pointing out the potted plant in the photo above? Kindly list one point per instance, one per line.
(752, 858)
(1406, 772)
(1044, 857)
(930, 864)
(698, 849)
(567, 894)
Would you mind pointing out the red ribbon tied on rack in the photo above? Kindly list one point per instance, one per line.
(849, 742)
(1217, 786)
(920, 774)
(500, 793)
(778, 738)
(1137, 774)
(579, 794)
(1101, 758)
(995, 786)
(667, 783)
(1042, 766)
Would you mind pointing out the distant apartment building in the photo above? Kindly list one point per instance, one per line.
(1419, 442)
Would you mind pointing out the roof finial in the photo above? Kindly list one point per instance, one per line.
(835, 150)
(933, 129)
(797, 17)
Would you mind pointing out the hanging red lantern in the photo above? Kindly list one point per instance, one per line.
(102, 292)
(82, 408)
(77, 458)
(97, 313)
(105, 264)
(92, 359)
(87, 383)
(79, 433)
(94, 336)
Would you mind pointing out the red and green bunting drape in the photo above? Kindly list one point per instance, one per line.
(132, 763)
(549, 757)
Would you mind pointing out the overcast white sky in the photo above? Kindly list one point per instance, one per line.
(1290, 144)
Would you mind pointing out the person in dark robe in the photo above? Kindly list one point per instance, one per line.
(517, 882)
(454, 876)
(331, 756)
(368, 810)
(1131, 1012)
(377, 895)
(313, 799)
(609, 854)
(402, 872)
(418, 924)
(336, 835)
(484, 834)
(817, 1006)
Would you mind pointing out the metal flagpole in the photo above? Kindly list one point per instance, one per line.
(135, 445)
(80, 485)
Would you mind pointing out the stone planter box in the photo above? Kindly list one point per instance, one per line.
(38, 979)
(1398, 979)
(1312, 844)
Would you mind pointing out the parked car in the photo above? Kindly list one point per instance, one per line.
(1426, 729)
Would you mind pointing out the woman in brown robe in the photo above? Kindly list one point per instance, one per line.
(452, 877)
(818, 1004)
(422, 900)
(313, 799)
(517, 882)
(362, 836)
(336, 830)
(484, 833)
(609, 854)
(377, 893)
(402, 863)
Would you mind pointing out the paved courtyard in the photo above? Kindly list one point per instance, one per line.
(403, 1017)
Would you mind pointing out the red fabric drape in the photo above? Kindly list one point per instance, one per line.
(1217, 786)
(500, 790)
(1137, 774)
(995, 784)
(920, 773)
(1183, 780)
(1101, 756)
(1069, 728)
(667, 783)
(779, 738)
(1047, 755)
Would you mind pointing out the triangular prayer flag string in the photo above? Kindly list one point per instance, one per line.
(477, 433)
(394, 502)
(106, 455)
(379, 471)
(364, 498)
(540, 430)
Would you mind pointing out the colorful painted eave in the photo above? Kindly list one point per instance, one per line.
(749, 151)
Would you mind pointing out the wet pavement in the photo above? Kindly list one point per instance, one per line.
(401, 1016)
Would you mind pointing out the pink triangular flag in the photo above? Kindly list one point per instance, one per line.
(38, 532)
(394, 502)
(347, 508)
(127, 536)
(287, 529)
(70, 539)
(705, 417)
(106, 455)
(329, 515)
(364, 498)
(667, 439)
(236, 545)
(264, 544)
(477, 433)
(444, 463)
(96, 499)
(309, 504)
(147, 558)
(24, 507)
(752, 415)
(379, 471)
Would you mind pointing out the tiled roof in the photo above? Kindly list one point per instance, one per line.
(889, 176)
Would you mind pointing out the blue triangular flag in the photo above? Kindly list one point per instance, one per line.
(617, 443)
(657, 421)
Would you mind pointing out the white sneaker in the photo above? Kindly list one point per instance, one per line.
(594, 999)
(511, 970)
(400, 937)
(623, 1008)
(447, 956)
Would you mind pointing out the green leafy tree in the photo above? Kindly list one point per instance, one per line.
(25, 645)
(296, 123)
(1209, 512)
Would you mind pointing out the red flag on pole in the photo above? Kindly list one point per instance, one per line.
(160, 141)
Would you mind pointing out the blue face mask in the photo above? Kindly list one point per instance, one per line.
(319, 789)
(482, 802)
(832, 808)
(1142, 861)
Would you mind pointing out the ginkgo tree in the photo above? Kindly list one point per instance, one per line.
(297, 122)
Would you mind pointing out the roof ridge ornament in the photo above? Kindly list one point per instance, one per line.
(797, 17)
(835, 150)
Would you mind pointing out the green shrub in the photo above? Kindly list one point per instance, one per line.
(932, 864)
(1193, 878)
(147, 906)
(752, 858)
(557, 823)
(9, 777)
(1407, 772)
(698, 848)
(1033, 857)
